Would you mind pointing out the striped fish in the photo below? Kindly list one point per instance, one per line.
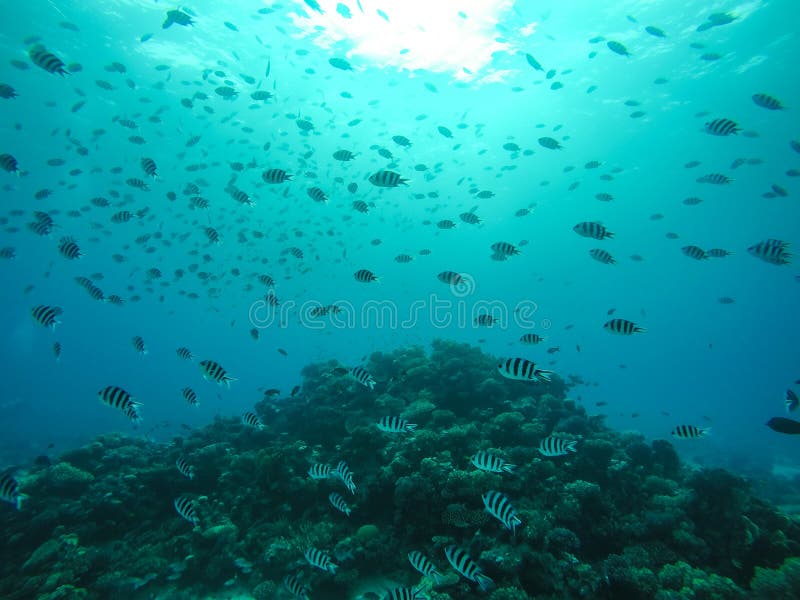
(296, 587)
(57, 350)
(365, 276)
(47, 60)
(592, 229)
(122, 216)
(138, 344)
(186, 509)
(317, 558)
(363, 377)
(555, 446)
(345, 475)
(491, 463)
(9, 490)
(213, 371)
(240, 196)
(499, 506)
(421, 563)
(772, 251)
(391, 424)
(695, 252)
(43, 227)
(320, 471)
(714, 179)
(251, 420)
(520, 369)
(213, 235)
(275, 176)
(504, 249)
(768, 102)
(184, 353)
(404, 593)
(602, 256)
(343, 155)
(360, 206)
(485, 320)
(722, 127)
(531, 338)
(470, 218)
(690, 432)
(199, 202)
(46, 315)
(9, 163)
(339, 503)
(149, 167)
(622, 327)
(462, 563)
(403, 259)
(184, 468)
(317, 195)
(190, 396)
(718, 253)
(69, 248)
(138, 184)
(387, 179)
(117, 397)
(450, 277)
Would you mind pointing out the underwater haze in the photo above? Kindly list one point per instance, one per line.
(287, 285)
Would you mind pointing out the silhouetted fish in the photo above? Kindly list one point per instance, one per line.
(784, 425)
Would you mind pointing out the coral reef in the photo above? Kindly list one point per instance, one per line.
(620, 518)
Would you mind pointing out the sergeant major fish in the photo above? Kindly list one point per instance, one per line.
(555, 446)
(117, 397)
(464, 565)
(498, 505)
(213, 371)
(317, 558)
(422, 564)
(394, 424)
(186, 509)
(485, 461)
(521, 369)
(362, 377)
(9, 490)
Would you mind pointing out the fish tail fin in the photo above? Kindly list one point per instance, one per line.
(543, 375)
(411, 427)
(571, 446)
(704, 431)
(20, 499)
(509, 468)
(485, 583)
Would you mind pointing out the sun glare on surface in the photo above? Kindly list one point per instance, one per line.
(440, 36)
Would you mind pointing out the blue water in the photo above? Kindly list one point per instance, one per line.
(721, 365)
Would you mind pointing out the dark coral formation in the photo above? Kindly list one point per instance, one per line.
(621, 518)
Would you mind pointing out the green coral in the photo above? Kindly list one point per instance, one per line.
(620, 518)
(777, 584)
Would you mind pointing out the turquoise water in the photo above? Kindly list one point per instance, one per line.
(420, 68)
(738, 382)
